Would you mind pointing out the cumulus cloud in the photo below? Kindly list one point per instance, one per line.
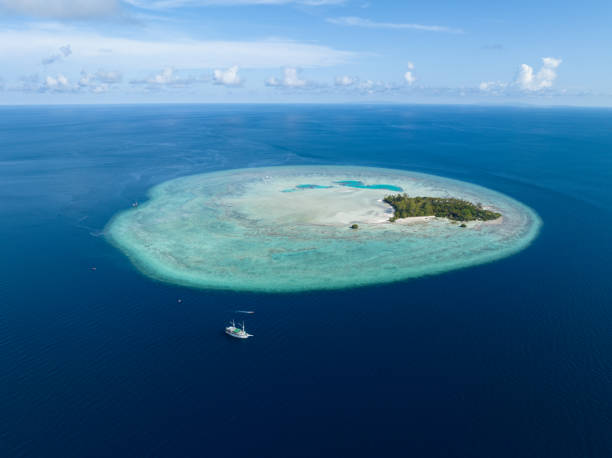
(290, 79)
(228, 77)
(353, 21)
(64, 51)
(101, 81)
(369, 86)
(88, 81)
(408, 76)
(166, 78)
(60, 9)
(493, 87)
(345, 81)
(528, 80)
(376, 87)
(58, 83)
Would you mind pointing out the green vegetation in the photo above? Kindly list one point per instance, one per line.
(453, 209)
(355, 226)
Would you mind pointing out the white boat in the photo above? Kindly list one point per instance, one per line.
(237, 332)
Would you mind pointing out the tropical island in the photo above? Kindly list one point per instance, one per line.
(299, 228)
(451, 208)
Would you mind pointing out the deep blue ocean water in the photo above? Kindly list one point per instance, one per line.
(508, 359)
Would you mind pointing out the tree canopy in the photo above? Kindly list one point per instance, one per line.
(451, 208)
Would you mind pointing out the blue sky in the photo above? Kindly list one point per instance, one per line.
(131, 51)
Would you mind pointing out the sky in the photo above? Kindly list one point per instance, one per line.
(306, 51)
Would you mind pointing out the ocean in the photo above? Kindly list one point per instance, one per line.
(507, 359)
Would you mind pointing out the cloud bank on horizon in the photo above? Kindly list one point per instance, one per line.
(58, 51)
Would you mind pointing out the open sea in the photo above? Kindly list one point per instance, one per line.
(508, 359)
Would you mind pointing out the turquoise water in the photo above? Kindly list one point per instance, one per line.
(312, 186)
(232, 230)
(360, 184)
(347, 183)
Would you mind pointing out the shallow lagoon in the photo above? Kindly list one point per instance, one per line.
(242, 230)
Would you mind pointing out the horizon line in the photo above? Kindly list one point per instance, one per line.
(360, 103)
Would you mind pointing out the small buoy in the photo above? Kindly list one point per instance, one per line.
(179, 301)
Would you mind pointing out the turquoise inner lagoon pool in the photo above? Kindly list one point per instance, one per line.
(360, 184)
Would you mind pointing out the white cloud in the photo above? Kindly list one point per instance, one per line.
(89, 82)
(166, 78)
(368, 86)
(30, 43)
(65, 51)
(527, 80)
(91, 9)
(345, 81)
(347, 84)
(290, 79)
(367, 23)
(492, 86)
(409, 76)
(57, 83)
(169, 4)
(227, 77)
(60, 9)
(101, 81)
(108, 77)
(376, 87)
(551, 62)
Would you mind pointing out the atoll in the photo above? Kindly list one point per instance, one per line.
(242, 229)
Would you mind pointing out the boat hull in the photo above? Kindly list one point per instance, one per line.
(237, 335)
